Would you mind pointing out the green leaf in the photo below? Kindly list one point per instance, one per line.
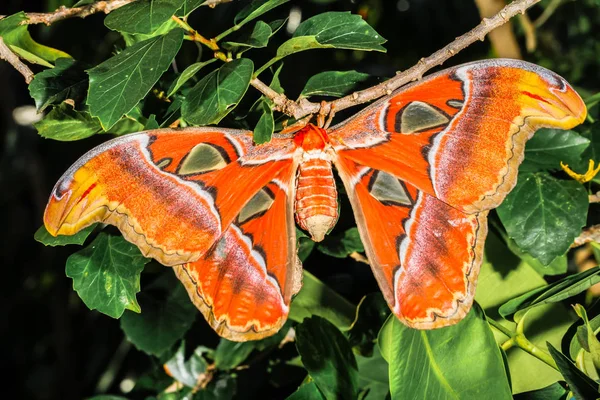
(371, 314)
(187, 371)
(106, 397)
(308, 391)
(548, 147)
(189, 6)
(119, 83)
(167, 314)
(333, 83)
(106, 274)
(555, 292)
(44, 237)
(586, 335)
(229, 355)
(266, 124)
(65, 124)
(55, 85)
(258, 38)
(459, 362)
(341, 246)
(17, 37)
(166, 27)
(558, 266)
(553, 392)
(305, 245)
(142, 16)
(581, 341)
(373, 376)
(328, 358)
(593, 150)
(583, 386)
(255, 10)
(341, 30)
(544, 215)
(217, 93)
(187, 74)
(315, 298)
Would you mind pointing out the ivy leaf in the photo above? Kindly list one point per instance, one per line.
(142, 16)
(44, 237)
(65, 124)
(187, 371)
(266, 124)
(186, 75)
(371, 314)
(17, 37)
(435, 354)
(548, 147)
(106, 274)
(167, 314)
(119, 83)
(315, 298)
(328, 358)
(217, 93)
(582, 385)
(55, 85)
(333, 83)
(544, 215)
(552, 293)
(341, 246)
(255, 10)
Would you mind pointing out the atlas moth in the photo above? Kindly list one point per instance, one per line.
(422, 167)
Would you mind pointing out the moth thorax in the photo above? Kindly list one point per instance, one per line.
(316, 198)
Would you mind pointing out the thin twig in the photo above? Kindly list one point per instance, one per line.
(7, 55)
(591, 234)
(529, 31)
(595, 198)
(214, 3)
(548, 11)
(304, 107)
(63, 12)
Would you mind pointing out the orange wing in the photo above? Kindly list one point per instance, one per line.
(205, 198)
(437, 155)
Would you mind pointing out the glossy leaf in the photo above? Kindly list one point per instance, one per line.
(315, 298)
(341, 246)
(556, 391)
(189, 6)
(328, 358)
(16, 36)
(230, 354)
(371, 314)
(583, 386)
(44, 237)
(373, 376)
(308, 391)
(55, 85)
(167, 313)
(166, 27)
(266, 124)
(585, 337)
(333, 83)
(186, 75)
(340, 30)
(187, 371)
(259, 37)
(119, 83)
(143, 16)
(580, 339)
(106, 274)
(256, 9)
(65, 124)
(555, 292)
(544, 215)
(457, 362)
(217, 93)
(549, 147)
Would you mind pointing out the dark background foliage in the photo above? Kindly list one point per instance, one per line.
(54, 347)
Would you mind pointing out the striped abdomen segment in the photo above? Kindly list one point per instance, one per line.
(316, 198)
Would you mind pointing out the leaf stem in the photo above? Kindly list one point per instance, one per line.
(501, 328)
(227, 32)
(522, 342)
(195, 36)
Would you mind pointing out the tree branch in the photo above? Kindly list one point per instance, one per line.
(591, 234)
(7, 55)
(104, 6)
(304, 107)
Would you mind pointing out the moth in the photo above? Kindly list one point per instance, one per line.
(422, 167)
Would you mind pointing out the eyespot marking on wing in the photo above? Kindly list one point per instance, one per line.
(388, 189)
(418, 116)
(202, 158)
